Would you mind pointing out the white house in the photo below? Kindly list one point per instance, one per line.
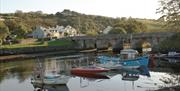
(70, 31)
(53, 32)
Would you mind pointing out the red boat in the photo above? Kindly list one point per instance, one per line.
(91, 75)
(87, 70)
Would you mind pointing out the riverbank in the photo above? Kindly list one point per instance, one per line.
(43, 54)
(26, 56)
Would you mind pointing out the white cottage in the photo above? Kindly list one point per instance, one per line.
(54, 32)
(70, 31)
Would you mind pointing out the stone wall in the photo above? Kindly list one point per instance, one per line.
(116, 40)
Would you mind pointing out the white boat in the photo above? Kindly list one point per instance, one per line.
(50, 79)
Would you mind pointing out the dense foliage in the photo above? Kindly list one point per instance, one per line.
(129, 25)
(21, 23)
(4, 31)
(171, 13)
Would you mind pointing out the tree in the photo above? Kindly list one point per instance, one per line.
(4, 31)
(118, 30)
(11, 24)
(21, 30)
(171, 12)
(17, 28)
(129, 25)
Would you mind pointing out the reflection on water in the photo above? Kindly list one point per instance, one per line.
(51, 88)
(17, 74)
(20, 70)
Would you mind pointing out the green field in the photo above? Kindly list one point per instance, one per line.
(153, 25)
(36, 44)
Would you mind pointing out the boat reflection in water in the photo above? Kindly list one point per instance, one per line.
(50, 79)
(50, 88)
(86, 78)
(16, 75)
(42, 76)
(131, 74)
(126, 75)
(90, 79)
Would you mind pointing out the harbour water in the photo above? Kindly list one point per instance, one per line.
(16, 75)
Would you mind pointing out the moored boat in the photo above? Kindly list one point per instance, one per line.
(85, 70)
(127, 59)
(135, 63)
(173, 55)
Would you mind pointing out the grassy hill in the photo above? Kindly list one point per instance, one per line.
(153, 25)
(79, 21)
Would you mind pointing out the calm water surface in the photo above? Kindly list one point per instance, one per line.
(16, 75)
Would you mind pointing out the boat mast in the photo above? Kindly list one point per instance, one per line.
(41, 68)
(130, 40)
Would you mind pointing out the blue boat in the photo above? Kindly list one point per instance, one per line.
(105, 59)
(135, 63)
(128, 58)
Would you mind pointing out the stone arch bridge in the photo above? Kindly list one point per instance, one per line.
(116, 40)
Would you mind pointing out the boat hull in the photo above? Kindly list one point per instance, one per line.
(82, 70)
(135, 63)
(131, 63)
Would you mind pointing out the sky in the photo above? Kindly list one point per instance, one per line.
(110, 8)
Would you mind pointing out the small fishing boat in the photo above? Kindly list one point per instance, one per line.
(86, 70)
(135, 63)
(50, 79)
(171, 55)
(127, 59)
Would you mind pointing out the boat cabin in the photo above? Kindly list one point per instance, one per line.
(129, 54)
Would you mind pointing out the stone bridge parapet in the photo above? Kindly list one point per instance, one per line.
(116, 40)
